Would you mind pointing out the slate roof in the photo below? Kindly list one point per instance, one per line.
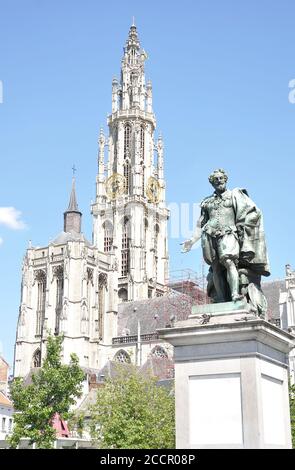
(113, 368)
(73, 206)
(153, 313)
(160, 312)
(160, 367)
(65, 237)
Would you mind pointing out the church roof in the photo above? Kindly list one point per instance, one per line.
(159, 312)
(152, 314)
(72, 236)
(113, 368)
(160, 367)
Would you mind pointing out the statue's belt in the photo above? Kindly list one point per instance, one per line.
(219, 231)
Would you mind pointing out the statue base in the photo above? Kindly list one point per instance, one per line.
(222, 312)
(231, 379)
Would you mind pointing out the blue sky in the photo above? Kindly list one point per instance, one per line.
(220, 72)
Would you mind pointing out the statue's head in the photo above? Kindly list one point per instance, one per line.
(218, 179)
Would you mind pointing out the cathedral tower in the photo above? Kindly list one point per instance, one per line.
(72, 286)
(129, 213)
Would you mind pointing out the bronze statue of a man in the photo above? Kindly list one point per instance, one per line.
(233, 243)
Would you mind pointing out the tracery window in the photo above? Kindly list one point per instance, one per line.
(143, 181)
(127, 175)
(142, 133)
(127, 140)
(40, 277)
(102, 286)
(122, 356)
(108, 237)
(125, 261)
(37, 358)
(59, 274)
(158, 351)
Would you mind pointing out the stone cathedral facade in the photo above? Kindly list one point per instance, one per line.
(74, 286)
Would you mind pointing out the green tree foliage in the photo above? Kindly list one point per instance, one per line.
(54, 389)
(292, 412)
(132, 412)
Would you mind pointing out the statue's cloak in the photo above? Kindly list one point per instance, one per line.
(249, 222)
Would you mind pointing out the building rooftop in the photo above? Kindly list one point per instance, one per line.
(4, 400)
(72, 236)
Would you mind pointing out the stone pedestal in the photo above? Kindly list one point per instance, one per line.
(231, 379)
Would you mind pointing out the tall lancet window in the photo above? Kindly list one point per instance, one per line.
(59, 275)
(127, 149)
(102, 286)
(127, 175)
(127, 140)
(157, 230)
(156, 239)
(108, 236)
(145, 241)
(37, 358)
(115, 141)
(125, 261)
(142, 141)
(142, 183)
(89, 292)
(40, 277)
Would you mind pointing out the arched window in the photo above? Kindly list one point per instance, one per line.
(145, 244)
(102, 286)
(108, 236)
(143, 181)
(59, 274)
(156, 238)
(37, 358)
(115, 143)
(122, 356)
(40, 277)
(125, 261)
(127, 175)
(123, 294)
(142, 141)
(127, 140)
(158, 351)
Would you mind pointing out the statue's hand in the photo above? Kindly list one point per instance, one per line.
(187, 245)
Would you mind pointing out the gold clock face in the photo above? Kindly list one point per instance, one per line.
(153, 190)
(115, 186)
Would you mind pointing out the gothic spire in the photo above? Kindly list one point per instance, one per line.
(132, 40)
(72, 216)
(73, 206)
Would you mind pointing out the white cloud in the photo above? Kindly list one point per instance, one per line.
(1, 241)
(11, 217)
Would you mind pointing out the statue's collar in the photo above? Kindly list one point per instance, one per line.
(225, 193)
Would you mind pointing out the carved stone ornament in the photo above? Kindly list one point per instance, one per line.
(103, 280)
(90, 275)
(58, 271)
(39, 275)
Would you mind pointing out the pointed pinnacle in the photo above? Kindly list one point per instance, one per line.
(73, 206)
